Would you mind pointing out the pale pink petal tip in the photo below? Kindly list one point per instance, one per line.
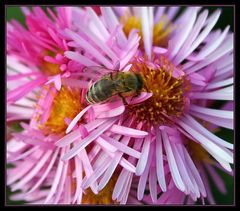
(142, 97)
(128, 131)
(56, 80)
(76, 119)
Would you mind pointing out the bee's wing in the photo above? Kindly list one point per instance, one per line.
(98, 70)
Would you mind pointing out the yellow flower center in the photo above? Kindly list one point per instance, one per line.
(168, 97)
(103, 197)
(161, 30)
(66, 104)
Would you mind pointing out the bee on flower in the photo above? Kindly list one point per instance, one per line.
(122, 110)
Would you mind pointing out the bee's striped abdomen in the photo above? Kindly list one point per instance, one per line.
(99, 91)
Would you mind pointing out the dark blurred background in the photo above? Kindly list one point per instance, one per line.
(226, 18)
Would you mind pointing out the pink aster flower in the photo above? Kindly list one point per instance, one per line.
(35, 54)
(38, 161)
(39, 171)
(181, 81)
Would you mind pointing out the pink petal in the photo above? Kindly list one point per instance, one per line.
(146, 30)
(97, 173)
(92, 136)
(56, 179)
(109, 172)
(46, 172)
(217, 152)
(176, 43)
(142, 162)
(80, 58)
(119, 184)
(68, 139)
(159, 161)
(213, 112)
(172, 163)
(22, 75)
(105, 144)
(113, 165)
(143, 177)
(128, 186)
(122, 147)
(98, 23)
(13, 156)
(89, 48)
(183, 170)
(78, 193)
(126, 131)
(76, 119)
(153, 184)
(142, 97)
(19, 92)
(112, 113)
(227, 123)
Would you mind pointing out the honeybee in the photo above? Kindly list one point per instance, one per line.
(114, 83)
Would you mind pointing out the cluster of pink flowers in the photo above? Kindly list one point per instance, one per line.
(156, 149)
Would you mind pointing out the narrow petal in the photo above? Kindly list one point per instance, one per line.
(122, 147)
(142, 97)
(146, 30)
(208, 134)
(142, 162)
(153, 184)
(98, 171)
(211, 147)
(19, 92)
(212, 112)
(68, 139)
(92, 136)
(46, 172)
(195, 172)
(56, 180)
(159, 161)
(144, 176)
(77, 118)
(220, 84)
(126, 131)
(75, 83)
(89, 48)
(119, 184)
(172, 163)
(80, 58)
(112, 113)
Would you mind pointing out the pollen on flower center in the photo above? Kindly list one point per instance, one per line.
(103, 197)
(66, 104)
(169, 93)
(161, 29)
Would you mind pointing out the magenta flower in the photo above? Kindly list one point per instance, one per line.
(184, 78)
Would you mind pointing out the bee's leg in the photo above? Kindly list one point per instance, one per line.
(146, 88)
(138, 93)
(123, 99)
(111, 75)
